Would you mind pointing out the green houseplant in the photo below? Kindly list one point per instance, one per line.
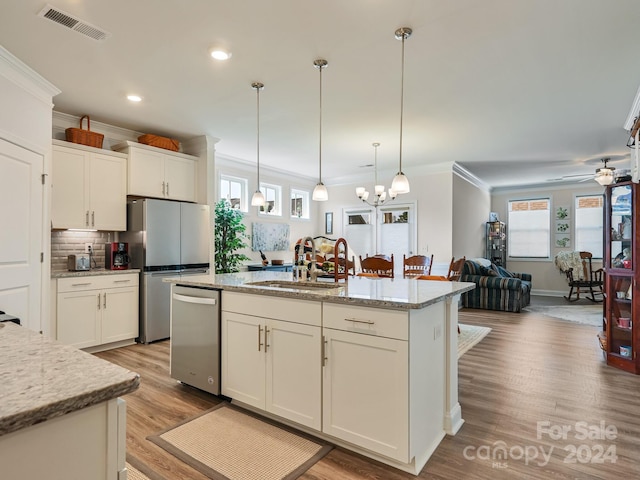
(229, 238)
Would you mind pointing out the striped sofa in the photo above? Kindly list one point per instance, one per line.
(496, 288)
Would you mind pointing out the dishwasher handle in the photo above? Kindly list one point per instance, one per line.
(198, 300)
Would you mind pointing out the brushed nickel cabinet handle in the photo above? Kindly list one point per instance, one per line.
(163, 189)
(80, 284)
(259, 337)
(355, 320)
(167, 189)
(98, 301)
(86, 219)
(104, 303)
(266, 341)
(121, 281)
(323, 351)
(93, 218)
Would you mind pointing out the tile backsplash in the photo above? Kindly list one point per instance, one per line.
(67, 242)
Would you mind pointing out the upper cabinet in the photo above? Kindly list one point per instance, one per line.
(88, 188)
(154, 172)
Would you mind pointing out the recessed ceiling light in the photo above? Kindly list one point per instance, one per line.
(134, 98)
(220, 53)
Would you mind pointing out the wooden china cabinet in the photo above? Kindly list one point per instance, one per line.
(622, 274)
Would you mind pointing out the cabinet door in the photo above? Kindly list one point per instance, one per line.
(243, 358)
(365, 397)
(108, 192)
(146, 173)
(294, 372)
(69, 196)
(79, 318)
(180, 178)
(119, 314)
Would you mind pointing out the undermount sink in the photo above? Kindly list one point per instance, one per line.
(296, 285)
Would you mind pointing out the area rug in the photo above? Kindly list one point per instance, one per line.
(136, 470)
(469, 336)
(228, 443)
(584, 314)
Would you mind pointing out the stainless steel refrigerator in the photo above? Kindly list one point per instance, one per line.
(166, 239)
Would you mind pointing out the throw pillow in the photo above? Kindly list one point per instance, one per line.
(502, 272)
(487, 272)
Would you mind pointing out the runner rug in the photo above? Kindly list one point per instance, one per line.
(228, 443)
(469, 336)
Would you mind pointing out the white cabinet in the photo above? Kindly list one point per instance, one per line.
(88, 188)
(97, 310)
(366, 393)
(271, 352)
(158, 173)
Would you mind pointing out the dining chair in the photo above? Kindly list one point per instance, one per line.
(344, 265)
(455, 269)
(417, 265)
(377, 265)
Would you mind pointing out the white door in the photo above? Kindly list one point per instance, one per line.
(108, 192)
(119, 314)
(21, 233)
(243, 358)
(366, 392)
(294, 372)
(180, 178)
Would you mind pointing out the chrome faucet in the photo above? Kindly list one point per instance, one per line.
(299, 258)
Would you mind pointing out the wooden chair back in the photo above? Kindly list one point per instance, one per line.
(380, 266)
(589, 279)
(344, 264)
(455, 269)
(417, 265)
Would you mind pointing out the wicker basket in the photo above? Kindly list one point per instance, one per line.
(84, 137)
(160, 142)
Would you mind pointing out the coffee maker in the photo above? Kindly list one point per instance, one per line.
(116, 256)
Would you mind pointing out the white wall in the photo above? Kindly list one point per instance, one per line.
(471, 207)
(547, 279)
(298, 227)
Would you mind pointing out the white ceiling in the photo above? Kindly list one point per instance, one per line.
(516, 91)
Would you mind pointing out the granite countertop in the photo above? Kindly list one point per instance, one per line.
(93, 271)
(396, 293)
(43, 379)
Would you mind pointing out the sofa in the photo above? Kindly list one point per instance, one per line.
(496, 287)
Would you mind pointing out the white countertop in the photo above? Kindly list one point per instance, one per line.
(41, 378)
(396, 293)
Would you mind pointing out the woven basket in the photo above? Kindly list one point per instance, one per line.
(84, 137)
(160, 142)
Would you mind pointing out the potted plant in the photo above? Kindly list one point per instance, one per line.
(229, 238)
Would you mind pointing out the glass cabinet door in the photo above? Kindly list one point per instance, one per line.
(619, 303)
(621, 235)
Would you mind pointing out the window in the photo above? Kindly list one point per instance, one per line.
(589, 230)
(529, 228)
(273, 199)
(299, 203)
(234, 190)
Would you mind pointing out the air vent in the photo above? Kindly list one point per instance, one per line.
(69, 21)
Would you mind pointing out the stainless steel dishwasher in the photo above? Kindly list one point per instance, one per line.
(195, 337)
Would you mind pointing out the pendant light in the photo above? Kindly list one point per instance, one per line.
(379, 191)
(400, 182)
(258, 198)
(320, 193)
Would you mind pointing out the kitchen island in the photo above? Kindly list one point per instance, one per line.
(369, 364)
(60, 415)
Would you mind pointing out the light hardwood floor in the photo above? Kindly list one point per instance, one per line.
(529, 369)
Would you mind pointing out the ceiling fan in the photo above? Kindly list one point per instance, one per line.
(605, 175)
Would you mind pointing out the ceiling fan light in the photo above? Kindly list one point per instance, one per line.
(320, 193)
(258, 199)
(604, 177)
(400, 184)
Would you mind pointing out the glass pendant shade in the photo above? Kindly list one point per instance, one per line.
(400, 184)
(320, 193)
(258, 199)
(360, 191)
(379, 189)
(605, 177)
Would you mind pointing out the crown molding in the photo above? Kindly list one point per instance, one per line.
(26, 78)
(465, 174)
(634, 112)
(237, 163)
